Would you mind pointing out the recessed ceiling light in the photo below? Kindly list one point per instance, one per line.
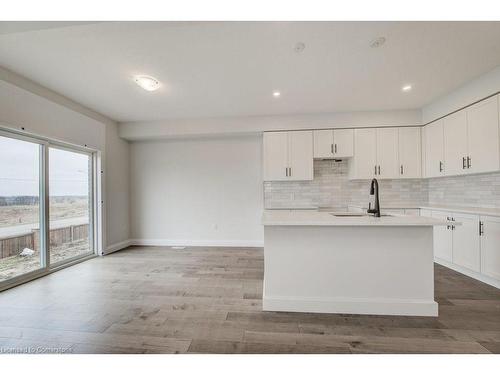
(147, 83)
(406, 88)
(276, 94)
(377, 42)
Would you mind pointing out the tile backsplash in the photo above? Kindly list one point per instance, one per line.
(480, 190)
(332, 188)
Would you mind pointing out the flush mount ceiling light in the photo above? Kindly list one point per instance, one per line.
(406, 88)
(299, 47)
(276, 94)
(377, 42)
(147, 83)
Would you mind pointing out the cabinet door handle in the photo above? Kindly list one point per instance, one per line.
(469, 164)
(286, 171)
(331, 148)
(463, 163)
(375, 170)
(481, 228)
(379, 170)
(402, 170)
(290, 172)
(440, 166)
(335, 148)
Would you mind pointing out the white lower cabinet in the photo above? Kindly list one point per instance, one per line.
(443, 237)
(490, 246)
(470, 244)
(466, 242)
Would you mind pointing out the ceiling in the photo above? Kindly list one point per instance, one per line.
(212, 69)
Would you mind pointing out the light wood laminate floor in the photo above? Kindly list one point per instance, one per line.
(208, 300)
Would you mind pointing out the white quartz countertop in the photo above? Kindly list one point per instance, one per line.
(322, 218)
(465, 210)
(462, 209)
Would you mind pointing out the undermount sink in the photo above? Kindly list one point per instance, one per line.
(353, 214)
(348, 214)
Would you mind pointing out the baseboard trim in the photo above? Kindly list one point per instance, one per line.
(351, 306)
(117, 246)
(475, 275)
(211, 243)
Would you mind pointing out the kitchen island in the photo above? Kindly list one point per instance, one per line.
(328, 262)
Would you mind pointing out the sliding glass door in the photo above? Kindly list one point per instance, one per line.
(47, 210)
(21, 211)
(70, 205)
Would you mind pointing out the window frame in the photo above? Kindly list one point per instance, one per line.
(95, 214)
(92, 208)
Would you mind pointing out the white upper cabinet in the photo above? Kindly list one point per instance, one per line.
(434, 149)
(410, 159)
(467, 141)
(375, 154)
(455, 143)
(483, 136)
(364, 163)
(343, 143)
(300, 157)
(275, 147)
(323, 144)
(387, 153)
(288, 156)
(338, 143)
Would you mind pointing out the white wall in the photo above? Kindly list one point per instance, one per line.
(117, 179)
(203, 191)
(20, 108)
(175, 128)
(477, 89)
(25, 104)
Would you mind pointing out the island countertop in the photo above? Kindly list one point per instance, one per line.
(322, 218)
